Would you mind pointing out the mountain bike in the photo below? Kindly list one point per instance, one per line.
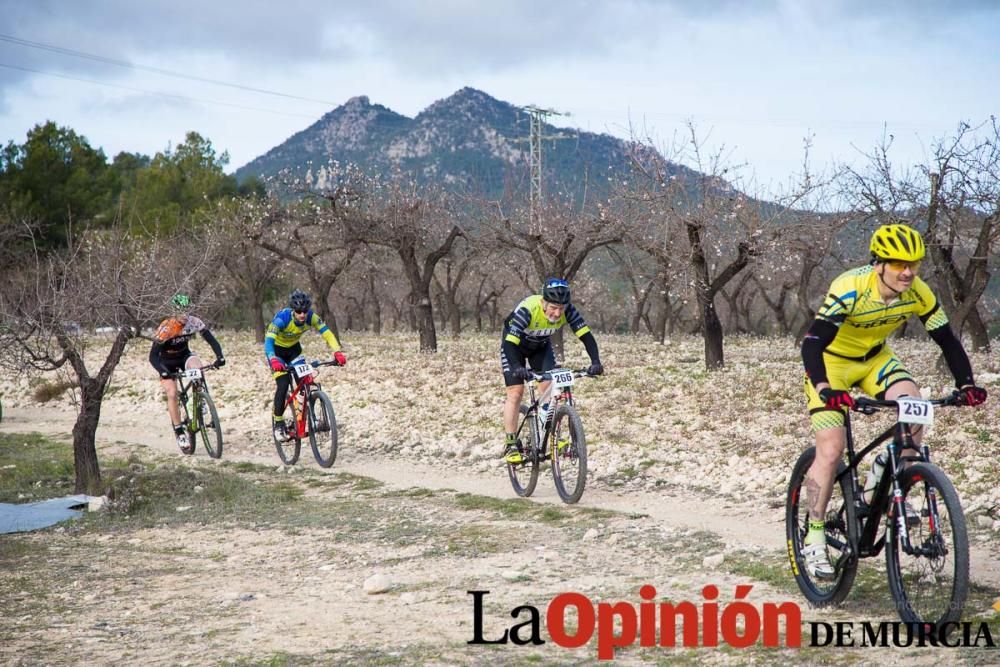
(925, 538)
(557, 435)
(312, 416)
(198, 410)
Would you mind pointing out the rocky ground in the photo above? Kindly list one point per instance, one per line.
(371, 562)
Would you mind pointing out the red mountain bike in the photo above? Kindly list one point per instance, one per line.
(312, 416)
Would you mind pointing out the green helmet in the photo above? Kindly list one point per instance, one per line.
(181, 301)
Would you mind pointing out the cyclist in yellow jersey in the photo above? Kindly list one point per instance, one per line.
(281, 347)
(526, 341)
(846, 347)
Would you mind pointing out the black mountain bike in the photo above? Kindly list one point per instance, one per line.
(559, 436)
(198, 411)
(312, 416)
(926, 546)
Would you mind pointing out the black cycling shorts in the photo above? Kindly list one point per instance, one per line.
(538, 359)
(175, 363)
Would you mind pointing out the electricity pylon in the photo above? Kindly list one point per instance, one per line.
(537, 117)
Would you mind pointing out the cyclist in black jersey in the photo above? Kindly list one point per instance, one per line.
(526, 341)
(170, 353)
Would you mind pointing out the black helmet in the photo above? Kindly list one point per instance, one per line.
(299, 300)
(556, 291)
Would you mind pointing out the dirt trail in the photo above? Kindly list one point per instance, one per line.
(296, 595)
(739, 526)
(763, 529)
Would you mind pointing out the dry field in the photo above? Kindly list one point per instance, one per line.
(243, 561)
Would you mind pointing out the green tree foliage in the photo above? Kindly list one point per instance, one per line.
(179, 182)
(56, 178)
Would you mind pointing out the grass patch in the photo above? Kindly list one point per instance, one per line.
(511, 508)
(356, 482)
(248, 467)
(34, 467)
(773, 570)
(146, 496)
(412, 492)
(46, 391)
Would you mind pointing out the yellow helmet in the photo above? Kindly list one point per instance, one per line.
(898, 242)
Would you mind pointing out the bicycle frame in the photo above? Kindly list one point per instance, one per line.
(300, 391)
(869, 515)
(550, 396)
(299, 395)
(192, 384)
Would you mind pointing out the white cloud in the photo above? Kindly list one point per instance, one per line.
(760, 75)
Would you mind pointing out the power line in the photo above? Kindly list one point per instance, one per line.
(133, 66)
(184, 98)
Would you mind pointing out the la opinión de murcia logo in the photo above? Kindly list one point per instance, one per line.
(572, 620)
(739, 624)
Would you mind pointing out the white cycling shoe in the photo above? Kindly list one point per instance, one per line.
(817, 562)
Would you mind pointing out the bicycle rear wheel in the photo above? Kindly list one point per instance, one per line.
(524, 476)
(929, 585)
(569, 454)
(322, 428)
(208, 424)
(840, 520)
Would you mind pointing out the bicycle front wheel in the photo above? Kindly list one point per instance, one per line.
(189, 428)
(569, 454)
(930, 579)
(840, 522)
(208, 424)
(322, 428)
(524, 476)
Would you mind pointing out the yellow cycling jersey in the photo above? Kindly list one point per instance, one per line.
(855, 306)
(284, 331)
(528, 325)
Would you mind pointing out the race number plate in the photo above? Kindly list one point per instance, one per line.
(562, 377)
(193, 373)
(915, 410)
(302, 370)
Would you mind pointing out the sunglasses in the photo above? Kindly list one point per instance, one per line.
(301, 312)
(900, 265)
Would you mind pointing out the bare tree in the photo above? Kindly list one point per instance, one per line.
(724, 228)
(49, 303)
(958, 193)
(252, 267)
(420, 225)
(314, 235)
(559, 242)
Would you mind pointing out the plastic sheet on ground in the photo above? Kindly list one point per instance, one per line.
(32, 516)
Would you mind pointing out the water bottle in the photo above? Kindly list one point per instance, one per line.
(543, 413)
(874, 475)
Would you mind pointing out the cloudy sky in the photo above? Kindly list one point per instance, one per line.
(755, 76)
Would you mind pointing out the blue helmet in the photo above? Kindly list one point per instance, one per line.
(556, 291)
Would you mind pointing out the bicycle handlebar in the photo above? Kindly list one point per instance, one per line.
(316, 363)
(547, 375)
(176, 375)
(870, 406)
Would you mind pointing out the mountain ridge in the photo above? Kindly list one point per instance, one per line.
(468, 139)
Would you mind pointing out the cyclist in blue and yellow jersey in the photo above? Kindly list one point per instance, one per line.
(846, 347)
(526, 338)
(170, 353)
(281, 347)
